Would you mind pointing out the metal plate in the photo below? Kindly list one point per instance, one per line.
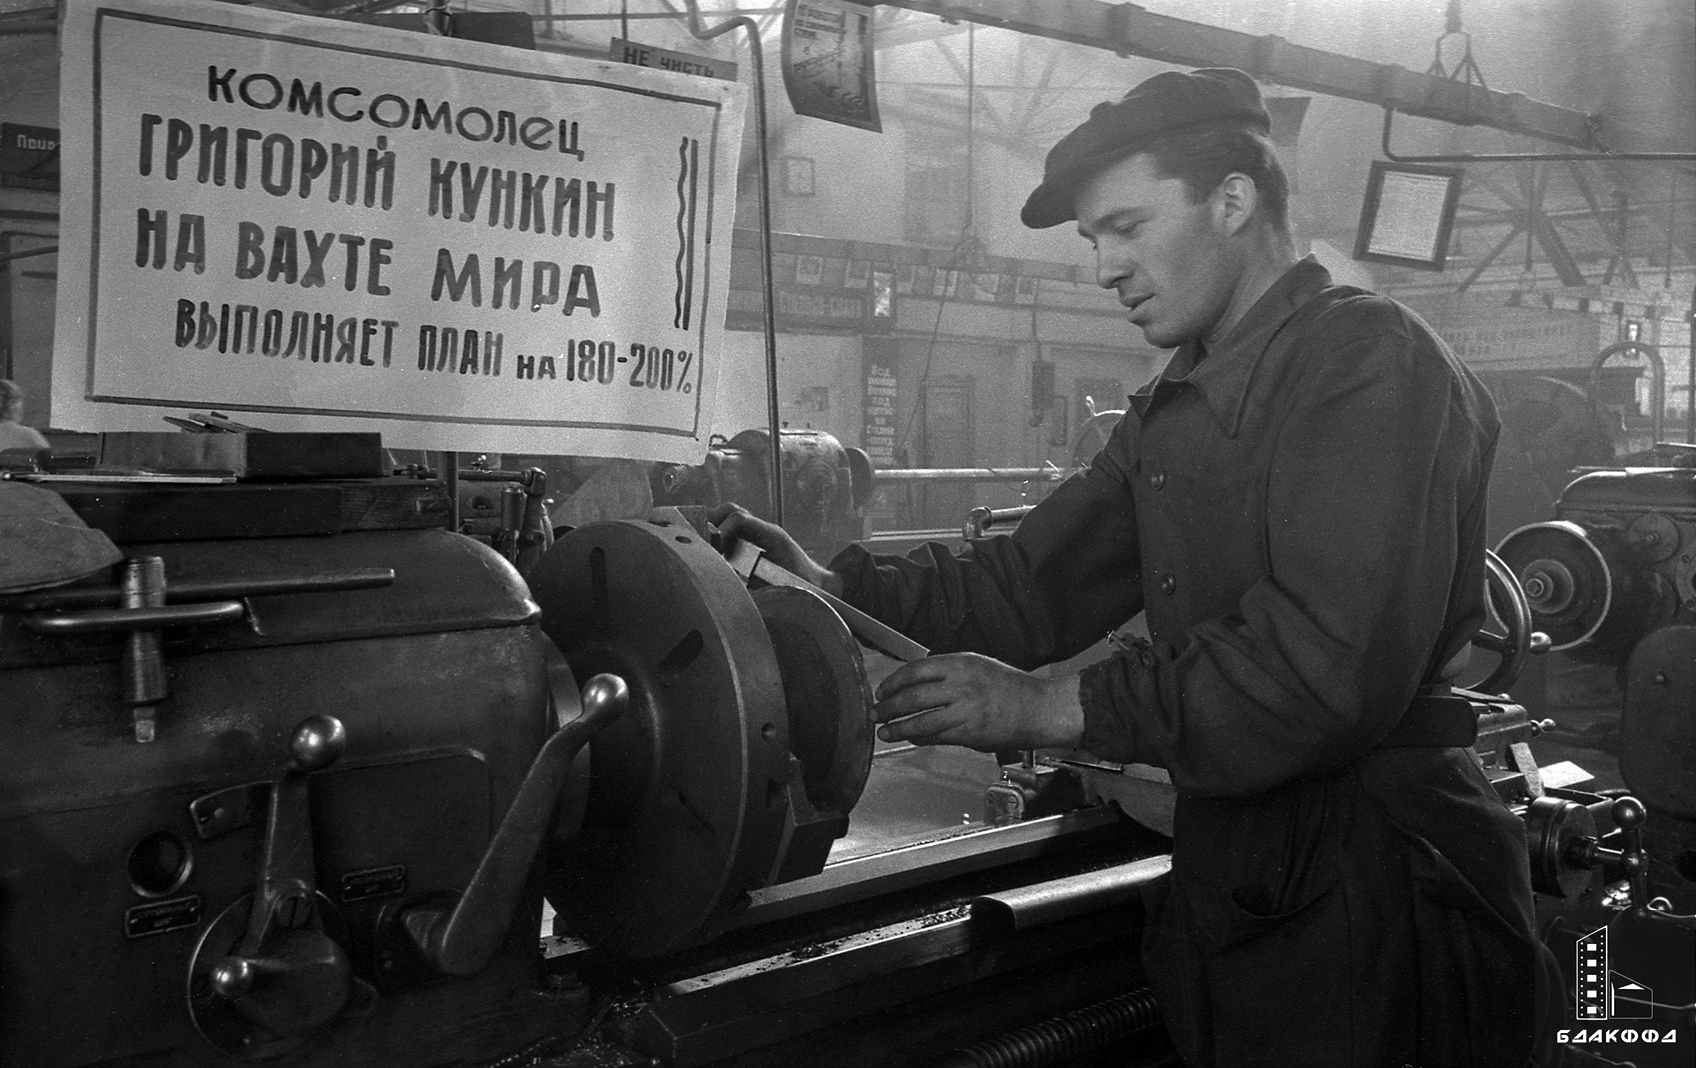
(1657, 728)
(688, 790)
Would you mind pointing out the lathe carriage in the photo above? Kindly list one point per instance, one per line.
(295, 782)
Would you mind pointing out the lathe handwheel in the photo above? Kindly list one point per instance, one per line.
(688, 790)
(1505, 601)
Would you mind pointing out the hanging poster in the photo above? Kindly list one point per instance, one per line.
(827, 62)
(344, 227)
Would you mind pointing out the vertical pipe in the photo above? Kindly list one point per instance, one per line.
(1690, 367)
(450, 473)
(757, 65)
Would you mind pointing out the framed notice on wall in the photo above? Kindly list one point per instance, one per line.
(343, 227)
(1408, 214)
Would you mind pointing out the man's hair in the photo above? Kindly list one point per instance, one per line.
(1202, 155)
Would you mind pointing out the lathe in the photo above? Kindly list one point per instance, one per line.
(296, 782)
(1612, 581)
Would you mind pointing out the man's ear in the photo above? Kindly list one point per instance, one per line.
(1237, 198)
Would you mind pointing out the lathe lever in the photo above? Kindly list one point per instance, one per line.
(284, 896)
(285, 977)
(461, 941)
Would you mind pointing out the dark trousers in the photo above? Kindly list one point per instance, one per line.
(1376, 916)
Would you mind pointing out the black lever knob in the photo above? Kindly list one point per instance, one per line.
(318, 742)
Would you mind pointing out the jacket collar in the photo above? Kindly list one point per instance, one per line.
(1222, 376)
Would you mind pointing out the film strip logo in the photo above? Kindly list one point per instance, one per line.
(1601, 993)
(1592, 971)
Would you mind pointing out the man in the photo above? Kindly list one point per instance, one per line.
(1297, 504)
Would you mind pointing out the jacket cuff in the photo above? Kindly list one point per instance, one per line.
(1105, 690)
(858, 571)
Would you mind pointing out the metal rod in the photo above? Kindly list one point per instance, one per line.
(611, 16)
(758, 73)
(970, 474)
(1526, 157)
(185, 591)
(1690, 363)
(26, 253)
(903, 867)
(1073, 895)
(450, 475)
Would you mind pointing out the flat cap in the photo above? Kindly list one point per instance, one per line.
(1163, 103)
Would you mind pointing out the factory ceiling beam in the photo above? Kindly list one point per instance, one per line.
(1131, 30)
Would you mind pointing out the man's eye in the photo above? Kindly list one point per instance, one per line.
(1128, 229)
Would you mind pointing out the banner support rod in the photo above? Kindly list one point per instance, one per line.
(769, 300)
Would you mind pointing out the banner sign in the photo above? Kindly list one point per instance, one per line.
(827, 62)
(346, 227)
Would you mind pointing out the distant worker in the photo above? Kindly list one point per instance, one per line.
(14, 435)
(1296, 503)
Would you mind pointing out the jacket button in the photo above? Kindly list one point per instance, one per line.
(1169, 584)
(1157, 479)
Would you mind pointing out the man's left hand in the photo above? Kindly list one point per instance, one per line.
(971, 700)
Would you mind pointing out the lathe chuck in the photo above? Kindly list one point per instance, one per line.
(694, 796)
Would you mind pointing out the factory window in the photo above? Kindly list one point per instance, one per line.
(936, 201)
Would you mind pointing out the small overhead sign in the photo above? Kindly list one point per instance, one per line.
(641, 55)
(29, 156)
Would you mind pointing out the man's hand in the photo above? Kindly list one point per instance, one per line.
(735, 522)
(971, 700)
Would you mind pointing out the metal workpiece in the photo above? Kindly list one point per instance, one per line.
(686, 810)
(1073, 895)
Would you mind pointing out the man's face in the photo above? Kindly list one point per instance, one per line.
(1168, 259)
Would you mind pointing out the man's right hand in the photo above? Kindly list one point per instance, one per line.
(735, 523)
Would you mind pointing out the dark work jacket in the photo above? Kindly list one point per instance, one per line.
(1300, 514)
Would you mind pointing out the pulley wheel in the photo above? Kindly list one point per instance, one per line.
(1566, 579)
(829, 700)
(687, 796)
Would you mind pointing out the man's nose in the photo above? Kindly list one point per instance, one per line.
(1109, 270)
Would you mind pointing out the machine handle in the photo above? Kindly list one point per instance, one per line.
(205, 589)
(463, 940)
(981, 518)
(110, 620)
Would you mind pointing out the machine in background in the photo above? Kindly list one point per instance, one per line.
(1612, 581)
